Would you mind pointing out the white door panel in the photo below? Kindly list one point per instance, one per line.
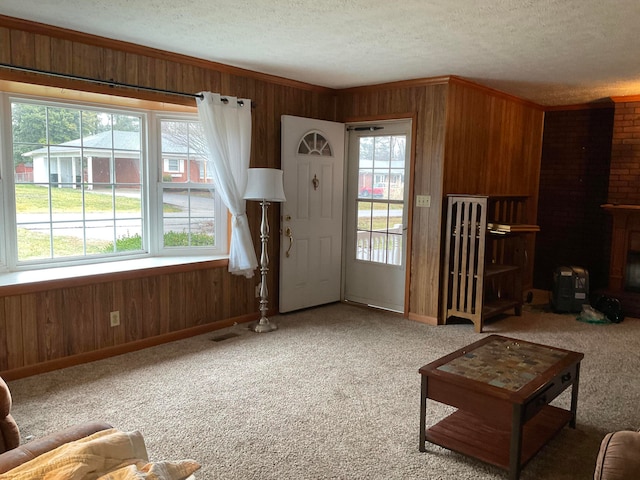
(311, 239)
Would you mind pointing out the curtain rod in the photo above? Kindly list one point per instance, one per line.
(110, 83)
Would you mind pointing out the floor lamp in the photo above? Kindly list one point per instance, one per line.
(264, 185)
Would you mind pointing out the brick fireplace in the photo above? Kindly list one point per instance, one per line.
(624, 175)
(624, 204)
(625, 248)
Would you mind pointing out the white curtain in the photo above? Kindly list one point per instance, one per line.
(227, 130)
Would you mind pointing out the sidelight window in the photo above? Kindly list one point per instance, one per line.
(188, 196)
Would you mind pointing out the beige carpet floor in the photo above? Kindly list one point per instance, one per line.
(333, 394)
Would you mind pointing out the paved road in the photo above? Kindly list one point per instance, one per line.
(99, 226)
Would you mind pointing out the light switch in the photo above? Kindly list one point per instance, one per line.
(423, 200)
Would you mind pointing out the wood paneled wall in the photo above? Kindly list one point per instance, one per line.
(469, 139)
(51, 325)
(427, 103)
(45, 327)
(493, 146)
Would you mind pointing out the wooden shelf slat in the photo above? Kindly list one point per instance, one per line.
(465, 433)
(496, 307)
(493, 269)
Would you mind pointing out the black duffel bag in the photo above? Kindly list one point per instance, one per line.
(610, 306)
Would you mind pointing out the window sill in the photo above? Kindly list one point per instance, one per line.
(30, 281)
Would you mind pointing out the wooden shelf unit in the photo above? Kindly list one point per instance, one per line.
(484, 266)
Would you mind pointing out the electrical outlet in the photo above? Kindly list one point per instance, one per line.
(114, 318)
(423, 200)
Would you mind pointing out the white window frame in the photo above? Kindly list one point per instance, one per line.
(5, 137)
(221, 213)
(167, 165)
(151, 191)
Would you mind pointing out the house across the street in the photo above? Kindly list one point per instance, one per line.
(88, 160)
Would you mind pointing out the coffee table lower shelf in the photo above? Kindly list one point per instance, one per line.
(465, 433)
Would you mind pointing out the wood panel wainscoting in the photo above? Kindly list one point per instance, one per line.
(54, 324)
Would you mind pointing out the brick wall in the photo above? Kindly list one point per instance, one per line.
(574, 178)
(624, 180)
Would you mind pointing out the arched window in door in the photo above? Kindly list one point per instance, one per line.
(315, 143)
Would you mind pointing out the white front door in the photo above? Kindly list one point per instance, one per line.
(311, 236)
(377, 199)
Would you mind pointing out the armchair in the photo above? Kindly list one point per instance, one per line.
(619, 456)
(13, 454)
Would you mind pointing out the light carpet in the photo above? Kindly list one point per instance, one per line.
(333, 394)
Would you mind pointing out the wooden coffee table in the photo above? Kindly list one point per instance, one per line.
(501, 388)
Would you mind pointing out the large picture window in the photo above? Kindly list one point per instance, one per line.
(93, 184)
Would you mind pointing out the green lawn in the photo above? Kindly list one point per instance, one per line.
(32, 245)
(35, 199)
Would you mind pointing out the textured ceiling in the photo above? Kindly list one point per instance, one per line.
(552, 52)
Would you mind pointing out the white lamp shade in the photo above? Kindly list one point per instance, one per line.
(265, 184)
